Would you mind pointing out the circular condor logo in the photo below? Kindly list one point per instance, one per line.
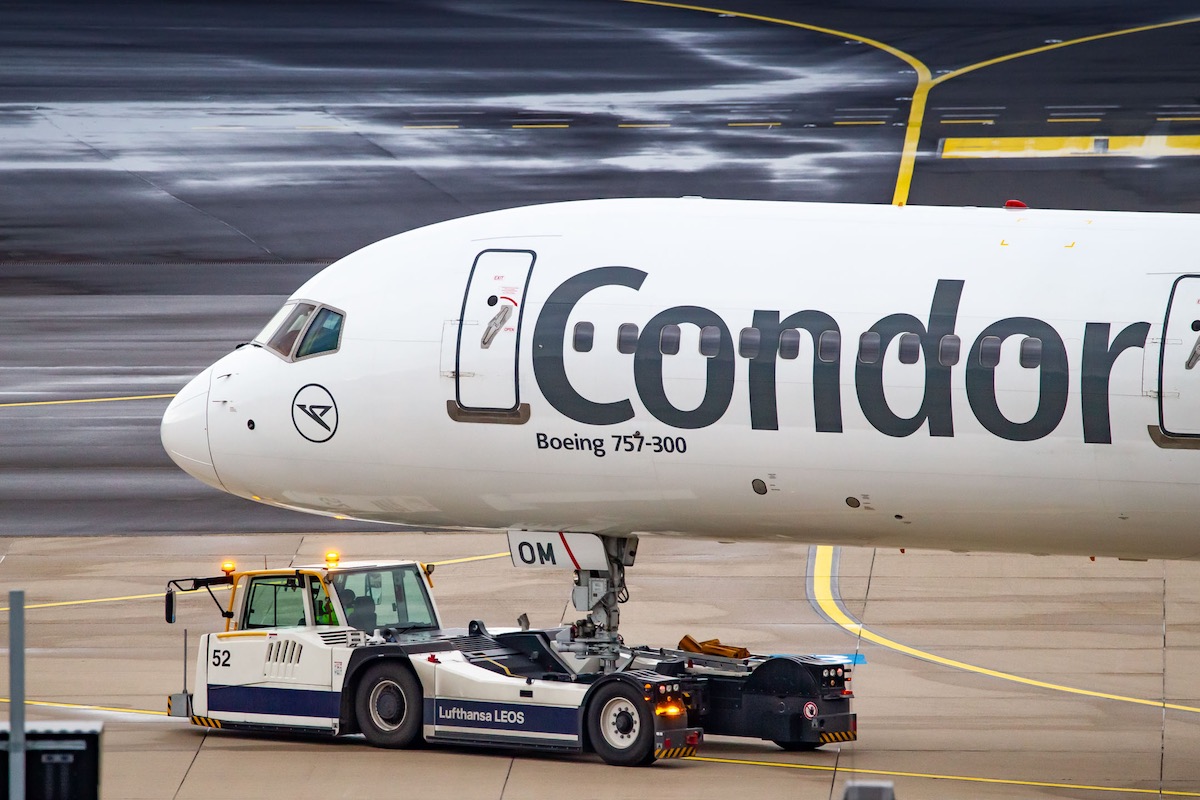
(314, 413)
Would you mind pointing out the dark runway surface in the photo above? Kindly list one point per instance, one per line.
(171, 171)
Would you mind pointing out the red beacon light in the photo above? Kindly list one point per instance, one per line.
(1014, 204)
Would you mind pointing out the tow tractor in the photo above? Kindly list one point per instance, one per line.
(348, 648)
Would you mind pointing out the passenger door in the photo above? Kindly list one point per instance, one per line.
(1179, 361)
(487, 350)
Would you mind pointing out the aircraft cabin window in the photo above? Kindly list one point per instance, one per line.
(910, 348)
(710, 341)
(1031, 352)
(585, 334)
(749, 342)
(668, 340)
(284, 338)
(868, 347)
(829, 346)
(789, 343)
(323, 335)
(627, 336)
(989, 351)
(949, 347)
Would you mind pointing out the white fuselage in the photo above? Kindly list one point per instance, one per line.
(1041, 409)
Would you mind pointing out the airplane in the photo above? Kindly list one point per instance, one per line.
(964, 379)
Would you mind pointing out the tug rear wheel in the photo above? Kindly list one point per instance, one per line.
(621, 726)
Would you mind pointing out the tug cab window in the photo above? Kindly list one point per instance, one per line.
(275, 601)
(323, 609)
(383, 598)
(303, 329)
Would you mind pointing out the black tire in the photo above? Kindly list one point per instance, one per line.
(799, 747)
(388, 705)
(620, 726)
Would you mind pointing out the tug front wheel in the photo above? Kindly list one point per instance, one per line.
(798, 747)
(621, 726)
(387, 706)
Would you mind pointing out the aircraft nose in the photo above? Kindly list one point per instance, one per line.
(184, 430)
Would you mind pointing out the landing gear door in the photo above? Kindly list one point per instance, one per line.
(1179, 361)
(488, 348)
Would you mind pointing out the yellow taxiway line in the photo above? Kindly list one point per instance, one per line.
(912, 132)
(925, 79)
(95, 600)
(86, 707)
(123, 598)
(145, 711)
(830, 605)
(468, 559)
(832, 608)
(29, 403)
(1152, 146)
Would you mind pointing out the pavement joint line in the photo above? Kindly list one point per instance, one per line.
(939, 777)
(79, 401)
(832, 608)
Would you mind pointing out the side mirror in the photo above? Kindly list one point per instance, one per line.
(170, 606)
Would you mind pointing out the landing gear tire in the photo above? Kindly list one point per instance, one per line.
(621, 726)
(798, 747)
(387, 706)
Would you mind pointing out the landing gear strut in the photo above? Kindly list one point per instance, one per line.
(600, 593)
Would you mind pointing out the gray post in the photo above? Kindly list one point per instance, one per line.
(16, 691)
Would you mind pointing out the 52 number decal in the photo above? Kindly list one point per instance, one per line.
(220, 658)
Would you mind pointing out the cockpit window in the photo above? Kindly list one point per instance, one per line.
(264, 335)
(285, 337)
(322, 335)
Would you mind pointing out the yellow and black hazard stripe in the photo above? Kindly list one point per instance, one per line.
(675, 752)
(842, 736)
(206, 722)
